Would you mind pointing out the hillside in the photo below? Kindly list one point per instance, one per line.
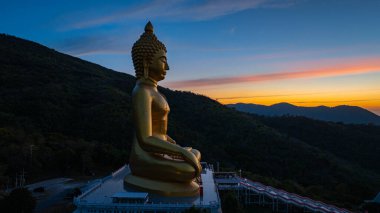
(75, 117)
(343, 113)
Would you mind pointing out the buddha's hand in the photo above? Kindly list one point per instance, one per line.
(171, 140)
(189, 157)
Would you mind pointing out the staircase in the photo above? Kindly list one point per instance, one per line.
(250, 192)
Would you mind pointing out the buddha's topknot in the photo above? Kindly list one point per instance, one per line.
(145, 48)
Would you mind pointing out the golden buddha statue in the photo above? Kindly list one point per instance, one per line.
(157, 163)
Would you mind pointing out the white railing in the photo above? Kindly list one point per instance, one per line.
(118, 171)
(284, 196)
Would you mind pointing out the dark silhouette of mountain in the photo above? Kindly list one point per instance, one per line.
(75, 116)
(343, 113)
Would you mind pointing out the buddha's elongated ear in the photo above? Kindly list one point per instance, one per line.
(146, 68)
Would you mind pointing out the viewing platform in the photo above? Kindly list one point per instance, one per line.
(109, 195)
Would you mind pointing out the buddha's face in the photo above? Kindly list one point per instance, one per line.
(159, 65)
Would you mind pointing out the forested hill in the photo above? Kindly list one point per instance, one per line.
(75, 117)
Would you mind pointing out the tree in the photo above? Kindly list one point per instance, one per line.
(19, 200)
(193, 210)
(230, 203)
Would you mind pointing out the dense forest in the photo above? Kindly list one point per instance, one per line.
(62, 116)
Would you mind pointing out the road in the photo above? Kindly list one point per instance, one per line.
(55, 192)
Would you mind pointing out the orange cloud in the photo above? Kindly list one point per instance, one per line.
(350, 68)
(268, 96)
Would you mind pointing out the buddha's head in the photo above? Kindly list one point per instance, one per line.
(149, 56)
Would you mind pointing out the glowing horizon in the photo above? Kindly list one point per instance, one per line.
(372, 104)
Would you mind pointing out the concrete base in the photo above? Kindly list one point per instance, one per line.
(162, 188)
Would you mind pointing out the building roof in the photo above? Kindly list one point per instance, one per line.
(135, 195)
(377, 198)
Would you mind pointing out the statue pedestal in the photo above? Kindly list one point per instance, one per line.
(169, 189)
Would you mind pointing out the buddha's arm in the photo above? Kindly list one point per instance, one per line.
(142, 102)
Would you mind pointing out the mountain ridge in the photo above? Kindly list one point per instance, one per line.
(341, 113)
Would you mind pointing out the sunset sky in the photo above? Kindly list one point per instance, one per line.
(306, 52)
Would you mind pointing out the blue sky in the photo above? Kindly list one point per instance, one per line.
(239, 48)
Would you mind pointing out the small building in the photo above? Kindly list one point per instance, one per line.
(130, 197)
